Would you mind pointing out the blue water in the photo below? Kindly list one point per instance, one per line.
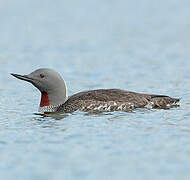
(135, 45)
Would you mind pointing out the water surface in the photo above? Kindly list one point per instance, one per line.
(141, 46)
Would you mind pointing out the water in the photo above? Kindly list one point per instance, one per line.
(141, 46)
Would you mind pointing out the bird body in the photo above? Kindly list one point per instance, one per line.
(114, 100)
(54, 97)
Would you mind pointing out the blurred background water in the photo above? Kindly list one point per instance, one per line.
(136, 45)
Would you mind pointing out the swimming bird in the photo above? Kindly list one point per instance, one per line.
(54, 96)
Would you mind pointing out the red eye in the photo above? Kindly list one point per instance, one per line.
(42, 75)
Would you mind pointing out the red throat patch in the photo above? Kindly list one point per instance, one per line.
(44, 100)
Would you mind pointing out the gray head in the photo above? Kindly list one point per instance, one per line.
(51, 86)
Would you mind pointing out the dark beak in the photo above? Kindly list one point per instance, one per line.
(23, 77)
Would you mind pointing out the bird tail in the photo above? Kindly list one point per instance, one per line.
(165, 102)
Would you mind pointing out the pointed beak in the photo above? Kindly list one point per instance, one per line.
(23, 77)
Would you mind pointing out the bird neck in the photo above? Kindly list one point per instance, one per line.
(50, 101)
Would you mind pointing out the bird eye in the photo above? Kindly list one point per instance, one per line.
(42, 75)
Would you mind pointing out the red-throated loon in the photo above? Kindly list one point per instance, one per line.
(54, 96)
